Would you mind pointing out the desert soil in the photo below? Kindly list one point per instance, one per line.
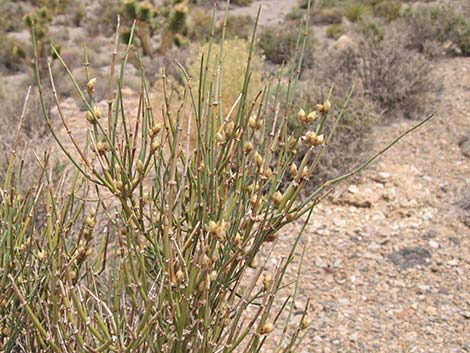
(387, 266)
(272, 11)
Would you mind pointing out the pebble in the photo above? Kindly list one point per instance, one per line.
(433, 244)
(353, 189)
(320, 263)
(382, 177)
(466, 314)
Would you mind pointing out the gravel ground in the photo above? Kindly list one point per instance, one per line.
(388, 259)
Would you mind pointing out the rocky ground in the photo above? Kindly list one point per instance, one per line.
(388, 258)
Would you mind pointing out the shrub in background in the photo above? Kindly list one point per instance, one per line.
(12, 54)
(461, 35)
(23, 130)
(388, 9)
(338, 69)
(101, 17)
(11, 12)
(433, 26)
(41, 19)
(200, 25)
(393, 76)
(280, 45)
(237, 26)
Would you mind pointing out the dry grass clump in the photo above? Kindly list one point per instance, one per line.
(235, 55)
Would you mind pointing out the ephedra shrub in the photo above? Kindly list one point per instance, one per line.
(150, 244)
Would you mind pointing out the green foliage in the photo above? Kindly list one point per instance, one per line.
(242, 2)
(329, 3)
(146, 22)
(149, 243)
(462, 36)
(280, 45)
(40, 19)
(171, 20)
(355, 11)
(142, 247)
(12, 55)
(334, 31)
(294, 14)
(388, 9)
(178, 18)
(372, 29)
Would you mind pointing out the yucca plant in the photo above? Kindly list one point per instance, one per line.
(153, 244)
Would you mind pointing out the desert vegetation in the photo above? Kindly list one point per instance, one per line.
(155, 152)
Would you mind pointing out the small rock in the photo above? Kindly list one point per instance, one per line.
(343, 301)
(320, 263)
(373, 246)
(353, 189)
(465, 146)
(345, 43)
(454, 240)
(422, 288)
(453, 262)
(433, 244)
(427, 178)
(382, 177)
(337, 263)
(466, 314)
(431, 310)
